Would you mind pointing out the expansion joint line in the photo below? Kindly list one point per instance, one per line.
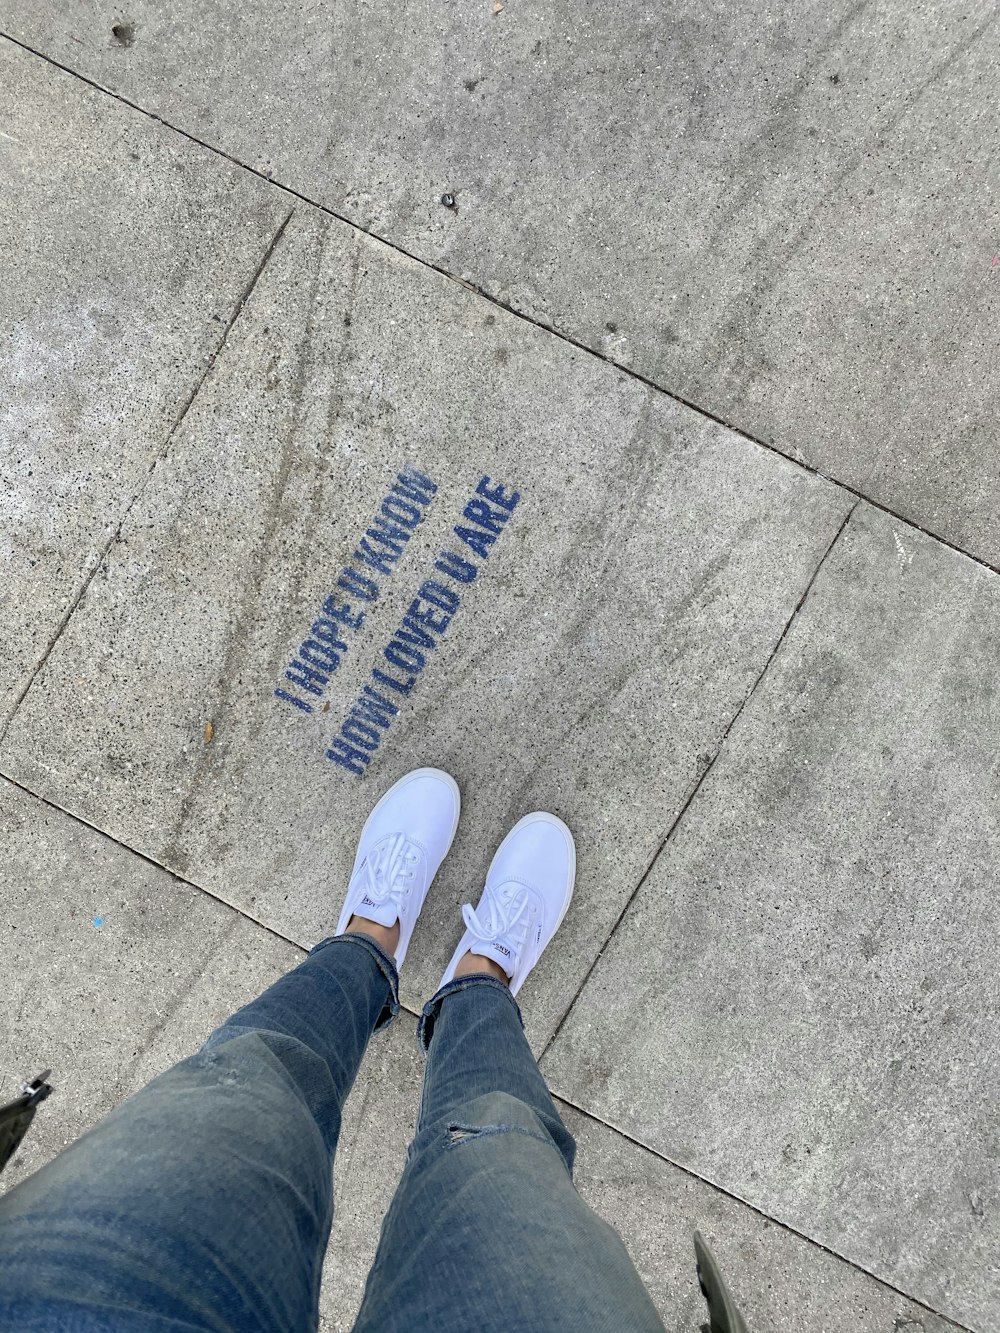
(157, 458)
(792, 455)
(699, 781)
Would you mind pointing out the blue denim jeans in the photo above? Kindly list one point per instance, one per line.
(205, 1200)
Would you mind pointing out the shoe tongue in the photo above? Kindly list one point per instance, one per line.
(384, 913)
(498, 951)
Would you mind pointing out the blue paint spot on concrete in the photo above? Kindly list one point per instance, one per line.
(98, 922)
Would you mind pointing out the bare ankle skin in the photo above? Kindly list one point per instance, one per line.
(386, 937)
(472, 965)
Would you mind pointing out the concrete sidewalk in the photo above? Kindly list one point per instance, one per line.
(739, 626)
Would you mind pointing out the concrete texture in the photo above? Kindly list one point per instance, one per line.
(113, 970)
(801, 1004)
(378, 1126)
(781, 1282)
(122, 265)
(781, 215)
(615, 628)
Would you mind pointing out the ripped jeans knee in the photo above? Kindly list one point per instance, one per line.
(465, 1133)
(499, 1114)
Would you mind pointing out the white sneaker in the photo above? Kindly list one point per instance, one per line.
(528, 890)
(403, 842)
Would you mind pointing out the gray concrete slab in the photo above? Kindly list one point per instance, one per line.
(801, 1004)
(113, 969)
(780, 1281)
(612, 632)
(378, 1125)
(124, 250)
(779, 215)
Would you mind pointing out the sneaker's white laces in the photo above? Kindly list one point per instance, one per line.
(508, 919)
(389, 871)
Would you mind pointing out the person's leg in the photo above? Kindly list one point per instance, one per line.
(204, 1201)
(487, 1231)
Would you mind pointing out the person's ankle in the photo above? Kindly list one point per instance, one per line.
(474, 965)
(386, 937)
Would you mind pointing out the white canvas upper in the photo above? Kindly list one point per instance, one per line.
(528, 890)
(403, 842)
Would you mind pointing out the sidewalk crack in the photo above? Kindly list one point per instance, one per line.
(152, 861)
(901, 1323)
(157, 458)
(791, 454)
(699, 781)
